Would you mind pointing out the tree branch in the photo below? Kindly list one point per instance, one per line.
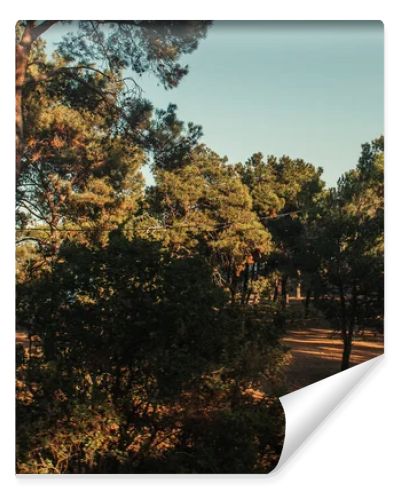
(30, 238)
(38, 30)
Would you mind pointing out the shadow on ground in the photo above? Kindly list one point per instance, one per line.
(317, 352)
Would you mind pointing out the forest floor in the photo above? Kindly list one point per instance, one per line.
(317, 350)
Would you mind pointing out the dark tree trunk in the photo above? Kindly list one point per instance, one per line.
(228, 271)
(233, 286)
(245, 283)
(307, 303)
(253, 272)
(287, 294)
(21, 63)
(298, 285)
(276, 291)
(284, 298)
(343, 320)
(348, 336)
(347, 345)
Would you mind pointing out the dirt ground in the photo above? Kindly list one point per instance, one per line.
(317, 352)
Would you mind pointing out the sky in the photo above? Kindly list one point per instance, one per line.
(310, 90)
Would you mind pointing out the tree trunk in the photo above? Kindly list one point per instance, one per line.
(347, 344)
(21, 63)
(298, 285)
(287, 294)
(284, 297)
(253, 272)
(233, 287)
(307, 303)
(228, 273)
(245, 283)
(276, 291)
(348, 336)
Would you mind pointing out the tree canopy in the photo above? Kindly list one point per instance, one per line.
(154, 314)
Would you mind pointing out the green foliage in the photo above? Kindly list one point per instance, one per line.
(349, 232)
(141, 46)
(80, 171)
(151, 315)
(130, 328)
(169, 141)
(285, 194)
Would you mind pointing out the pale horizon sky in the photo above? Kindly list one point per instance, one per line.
(311, 90)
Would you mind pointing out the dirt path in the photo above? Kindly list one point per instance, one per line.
(317, 355)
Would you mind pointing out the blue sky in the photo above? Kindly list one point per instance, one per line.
(311, 90)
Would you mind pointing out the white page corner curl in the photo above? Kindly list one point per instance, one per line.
(306, 408)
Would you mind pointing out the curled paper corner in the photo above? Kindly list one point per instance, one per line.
(306, 408)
